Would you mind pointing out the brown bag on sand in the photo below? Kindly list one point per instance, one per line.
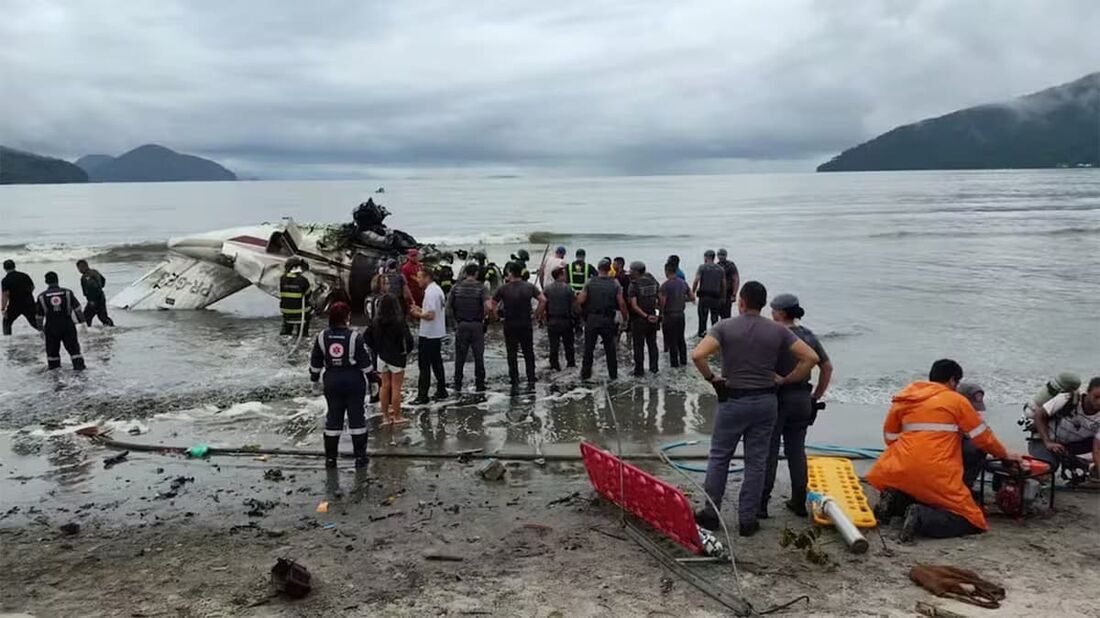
(959, 584)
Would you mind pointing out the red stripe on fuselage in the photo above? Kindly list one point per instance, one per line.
(250, 240)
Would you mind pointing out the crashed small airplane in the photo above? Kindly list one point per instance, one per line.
(201, 270)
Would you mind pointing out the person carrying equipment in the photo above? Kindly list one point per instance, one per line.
(920, 474)
(341, 354)
(60, 313)
(644, 298)
(580, 272)
(733, 283)
(600, 299)
(468, 302)
(674, 295)
(797, 401)
(751, 346)
(710, 288)
(95, 301)
(560, 315)
(17, 298)
(516, 297)
(294, 298)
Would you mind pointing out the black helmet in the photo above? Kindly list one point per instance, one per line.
(522, 255)
(461, 254)
(478, 255)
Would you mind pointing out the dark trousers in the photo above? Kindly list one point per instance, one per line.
(645, 337)
(752, 418)
(13, 314)
(672, 326)
(430, 360)
(97, 308)
(292, 325)
(64, 335)
(345, 392)
(935, 523)
(708, 309)
(560, 332)
(607, 332)
(725, 310)
(1036, 449)
(516, 337)
(973, 462)
(795, 411)
(469, 336)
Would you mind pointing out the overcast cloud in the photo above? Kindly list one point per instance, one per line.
(330, 88)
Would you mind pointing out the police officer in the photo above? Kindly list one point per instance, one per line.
(710, 289)
(341, 354)
(294, 301)
(600, 299)
(560, 313)
(467, 302)
(515, 297)
(644, 324)
(733, 283)
(59, 313)
(580, 272)
(95, 301)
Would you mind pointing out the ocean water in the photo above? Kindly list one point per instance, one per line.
(999, 270)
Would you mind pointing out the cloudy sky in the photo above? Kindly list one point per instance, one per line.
(330, 88)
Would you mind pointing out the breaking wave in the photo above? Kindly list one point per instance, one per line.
(63, 252)
(1076, 230)
(540, 237)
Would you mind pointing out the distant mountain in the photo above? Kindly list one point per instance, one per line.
(152, 163)
(18, 167)
(92, 161)
(1056, 127)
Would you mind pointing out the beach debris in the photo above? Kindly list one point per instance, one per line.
(576, 495)
(259, 508)
(933, 611)
(290, 578)
(434, 557)
(952, 582)
(274, 474)
(198, 451)
(260, 458)
(322, 506)
(134, 431)
(174, 487)
(115, 459)
(493, 470)
(71, 528)
(91, 431)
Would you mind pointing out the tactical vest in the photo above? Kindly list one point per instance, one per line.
(645, 290)
(578, 275)
(602, 298)
(711, 277)
(468, 300)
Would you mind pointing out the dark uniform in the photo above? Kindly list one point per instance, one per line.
(445, 277)
(580, 273)
(294, 303)
(467, 303)
(343, 357)
(60, 313)
(600, 306)
(710, 290)
(559, 322)
(726, 310)
(516, 297)
(675, 291)
(20, 289)
(95, 301)
(644, 289)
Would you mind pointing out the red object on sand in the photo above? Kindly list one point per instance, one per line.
(661, 505)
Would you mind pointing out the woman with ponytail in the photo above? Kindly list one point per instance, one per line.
(342, 356)
(797, 407)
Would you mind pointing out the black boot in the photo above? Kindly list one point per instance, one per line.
(359, 445)
(332, 450)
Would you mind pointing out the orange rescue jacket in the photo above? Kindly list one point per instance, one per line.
(923, 456)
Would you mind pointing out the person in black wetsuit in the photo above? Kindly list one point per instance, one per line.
(18, 297)
(95, 301)
(341, 354)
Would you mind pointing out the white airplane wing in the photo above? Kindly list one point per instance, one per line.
(180, 282)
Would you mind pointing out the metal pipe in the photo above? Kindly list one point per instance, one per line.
(853, 538)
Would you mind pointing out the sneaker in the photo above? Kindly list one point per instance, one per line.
(420, 401)
(887, 506)
(705, 519)
(798, 508)
(748, 529)
(909, 526)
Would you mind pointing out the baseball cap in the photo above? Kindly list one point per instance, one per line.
(784, 301)
(969, 390)
(560, 251)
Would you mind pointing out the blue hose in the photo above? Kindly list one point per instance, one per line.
(824, 449)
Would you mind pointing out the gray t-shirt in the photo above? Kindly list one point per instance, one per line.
(675, 291)
(787, 361)
(751, 347)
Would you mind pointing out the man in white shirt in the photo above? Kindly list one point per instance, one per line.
(433, 328)
(1068, 424)
(552, 262)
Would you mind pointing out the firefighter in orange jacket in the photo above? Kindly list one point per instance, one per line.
(920, 473)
